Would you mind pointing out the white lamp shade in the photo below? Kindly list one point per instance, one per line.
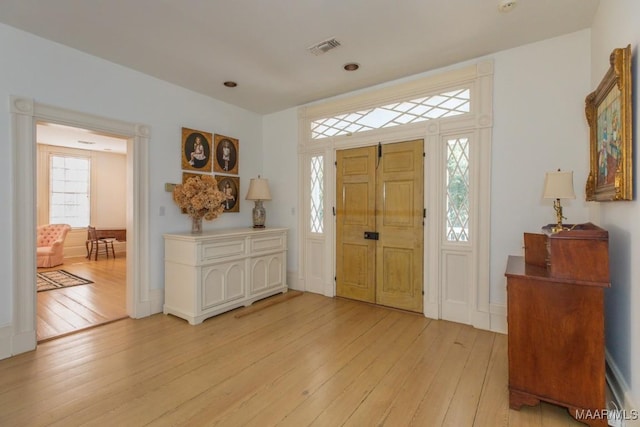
(559, 185)
(258, 189)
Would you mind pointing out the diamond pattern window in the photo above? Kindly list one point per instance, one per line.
(448, 104)
(457, 194)
(317, 194)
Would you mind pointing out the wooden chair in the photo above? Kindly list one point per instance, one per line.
(100, 246)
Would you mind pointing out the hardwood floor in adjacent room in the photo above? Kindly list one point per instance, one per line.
(67, 310)
(310, 360)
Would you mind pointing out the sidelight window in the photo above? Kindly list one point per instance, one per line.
(457, 191)
(317, 194)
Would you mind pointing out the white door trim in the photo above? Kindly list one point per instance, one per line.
(25, 113)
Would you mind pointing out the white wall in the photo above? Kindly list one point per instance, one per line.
(109, 190)
(616, 25)
(280, 165)
(539, 126)
(57, 75)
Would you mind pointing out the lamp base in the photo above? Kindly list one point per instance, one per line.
(259, 215)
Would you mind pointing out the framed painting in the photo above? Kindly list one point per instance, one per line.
(196, 150)
(608, 111)
(226, 154)
(230, 185)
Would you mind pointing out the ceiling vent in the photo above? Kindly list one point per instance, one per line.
(324, 47)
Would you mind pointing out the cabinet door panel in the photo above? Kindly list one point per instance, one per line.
(222, 283)
(266, 273)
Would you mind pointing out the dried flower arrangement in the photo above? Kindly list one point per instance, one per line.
(200, 197)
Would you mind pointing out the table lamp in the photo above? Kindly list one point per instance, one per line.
(258, 191)
(558, 185)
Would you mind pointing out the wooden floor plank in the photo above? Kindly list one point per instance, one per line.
(462, 408)
(67, 310)
(309, 359)
(493, 406)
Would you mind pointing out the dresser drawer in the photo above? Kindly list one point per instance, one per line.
(222, 249)
(269, 243)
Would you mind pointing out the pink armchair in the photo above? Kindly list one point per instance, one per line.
(50, 244)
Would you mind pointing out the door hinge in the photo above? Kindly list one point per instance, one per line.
(379, 149)
(424, 213)
(335, 163)
(334, 211)
(335, 279)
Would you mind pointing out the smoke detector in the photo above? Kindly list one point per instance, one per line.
(324, 46)
(507, 5)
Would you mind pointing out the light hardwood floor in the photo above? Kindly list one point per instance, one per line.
(310, 360)
(68, 310)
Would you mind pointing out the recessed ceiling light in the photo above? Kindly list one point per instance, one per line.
(506, 5)
(230, 84)
(352, 66)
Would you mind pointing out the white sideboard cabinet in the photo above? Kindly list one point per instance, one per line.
(216, 271)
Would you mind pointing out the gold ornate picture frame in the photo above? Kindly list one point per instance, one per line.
(608, 111)
(230, 186)
(226, 154)
(196, 150)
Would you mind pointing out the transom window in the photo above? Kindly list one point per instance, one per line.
(447, 104)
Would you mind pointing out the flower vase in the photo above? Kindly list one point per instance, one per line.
(196, 225)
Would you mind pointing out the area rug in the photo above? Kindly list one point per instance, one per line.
(57, 279)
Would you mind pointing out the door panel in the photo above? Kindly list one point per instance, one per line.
(400, 247)
(355, 214)
(387, 198)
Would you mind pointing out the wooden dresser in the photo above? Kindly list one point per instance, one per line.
(555, 316)
(216, 271)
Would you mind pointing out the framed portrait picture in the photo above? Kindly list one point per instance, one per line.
(230, 185)
(226, 154)
(608, 111)
(196, 150)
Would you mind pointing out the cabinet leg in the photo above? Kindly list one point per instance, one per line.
(518, 399)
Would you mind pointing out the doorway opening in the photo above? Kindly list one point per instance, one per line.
(81, 181)
(25, 114)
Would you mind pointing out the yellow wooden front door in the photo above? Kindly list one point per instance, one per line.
(380, 190)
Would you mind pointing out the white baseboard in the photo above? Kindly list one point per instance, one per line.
(5, 341)
(156, 300)
(498, 320)
(293, 282)
(622, 396)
